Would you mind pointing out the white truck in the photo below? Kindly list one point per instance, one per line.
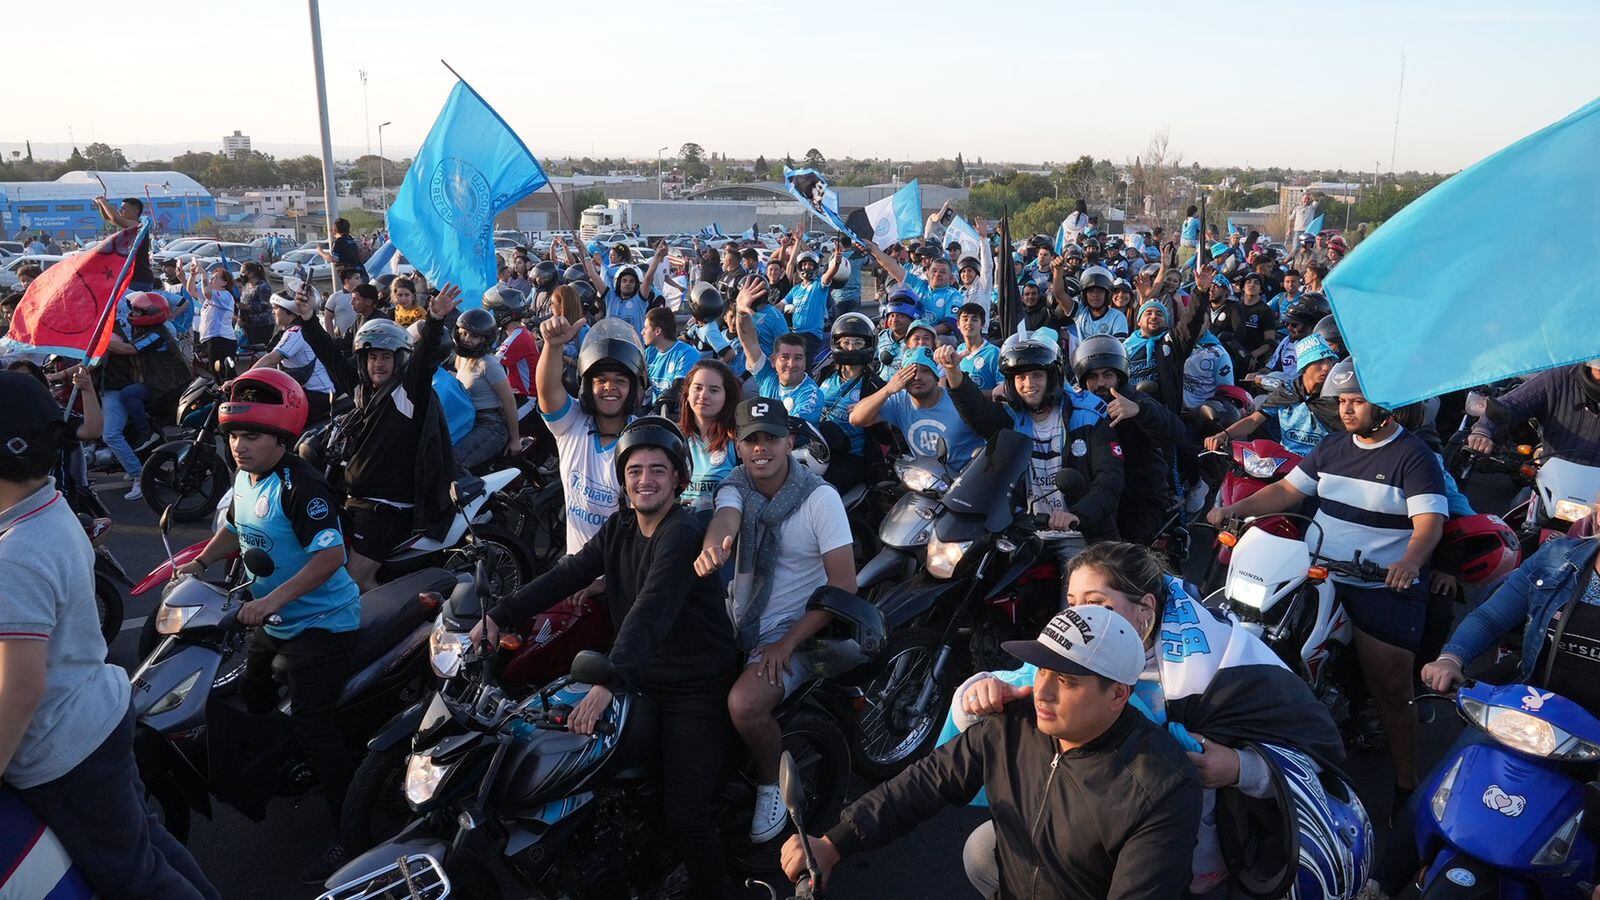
(660, 218)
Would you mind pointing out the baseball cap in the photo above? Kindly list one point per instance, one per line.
(1085, 640)
(919, 356)
(761, 414)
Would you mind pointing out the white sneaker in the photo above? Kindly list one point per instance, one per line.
(134, 493)
(769, 818)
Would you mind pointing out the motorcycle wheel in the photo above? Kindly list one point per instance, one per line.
(822, 754)
(192, 501)
(108, 602)
(510, 560)
(546, 530)
(375, 806)
(886, 737)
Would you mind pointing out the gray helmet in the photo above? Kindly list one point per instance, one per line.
(1342, 380)
(381, 334)
(1102, 351)
(505, 302)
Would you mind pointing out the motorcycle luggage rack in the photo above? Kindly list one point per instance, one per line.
(415, 877)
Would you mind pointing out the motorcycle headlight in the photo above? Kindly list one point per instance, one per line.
(920, 480)
(174, 698)
(446, 650)
(171, 619)
(1260, 466)
(1441, 797)
(422, 778)
(1572, 511)
(943, 557)
(1522, 732)
(1248, 593)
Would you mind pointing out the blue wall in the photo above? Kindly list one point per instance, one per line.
(75, 218)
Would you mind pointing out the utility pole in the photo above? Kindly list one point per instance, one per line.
(383, 181)
(329, 191)
(1400, 95)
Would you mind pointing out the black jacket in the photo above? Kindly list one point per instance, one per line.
(1115, 818)
(1568, 415)
(672, 625)
(1149, 443)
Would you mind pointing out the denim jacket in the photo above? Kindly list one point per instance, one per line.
(1529, 596)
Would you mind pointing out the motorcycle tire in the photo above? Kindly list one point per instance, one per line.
(822, 753)
(374, 805)
(510, 559)
(208, 479)
(883, 740)
(108, 602)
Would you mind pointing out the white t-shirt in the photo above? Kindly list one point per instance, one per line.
(297, 354)
(344, 315)
(588, 472)
(820, 525)
(216, 317)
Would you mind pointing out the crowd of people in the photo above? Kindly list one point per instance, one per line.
(670, 394)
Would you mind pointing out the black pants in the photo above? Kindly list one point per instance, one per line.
(695, 733)
(318, 667)
(1140, 517)
(98, 812)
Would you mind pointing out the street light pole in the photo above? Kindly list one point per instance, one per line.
(383, 181)
(329, 191)
(658, 172)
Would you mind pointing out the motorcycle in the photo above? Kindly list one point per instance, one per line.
(187, 472)
(1243, 469)
(573, 814)
(906, 528)
(194, 740)
(985, 579)
(110, 578)
(1513, 817)
(1462, 463)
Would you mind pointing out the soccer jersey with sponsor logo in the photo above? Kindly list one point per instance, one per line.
(707, 469)
(803, 400)
(291, 514)
(924, 427)
(588, 472)
(1367, 493)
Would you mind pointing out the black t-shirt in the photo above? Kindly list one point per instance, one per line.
(142, 273)
(346, 252)
(1575, 671)
(1256, 324)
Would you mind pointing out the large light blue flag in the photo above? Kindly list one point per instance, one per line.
(811, 189)
(1425, 308)
(894, 218)
(471, 167)
(962, 232)
(1313, 227)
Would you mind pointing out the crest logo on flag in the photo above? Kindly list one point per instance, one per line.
(460, 195)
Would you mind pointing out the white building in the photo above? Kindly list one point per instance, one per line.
(236, 144)
(273, 202)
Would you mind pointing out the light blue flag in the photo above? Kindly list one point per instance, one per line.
(961, 231)
(892, 219)
(383, 261)
(811, 189)
(1314, 227)
(471, 167)
(1062, 239)
(1424, 310)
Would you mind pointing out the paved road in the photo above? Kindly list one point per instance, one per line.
(262, 860)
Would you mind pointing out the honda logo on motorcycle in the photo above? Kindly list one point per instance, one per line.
(1505, 804)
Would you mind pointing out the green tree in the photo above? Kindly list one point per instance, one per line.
(815, 159)
(1042, 216)
(693, 159)
(105, 158)
(589, 196)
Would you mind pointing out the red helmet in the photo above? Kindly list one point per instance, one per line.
(147, 309)
(1337, 243)
(1234, 394)
(1481, 548)
(265, 400)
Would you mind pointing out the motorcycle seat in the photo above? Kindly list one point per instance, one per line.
(470, 486)
(389, 612)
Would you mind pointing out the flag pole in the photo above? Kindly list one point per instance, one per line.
(118, 287)
(329, 191)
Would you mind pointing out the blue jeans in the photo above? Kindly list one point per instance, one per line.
(121, 408)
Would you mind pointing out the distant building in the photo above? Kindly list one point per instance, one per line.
(65, 207)
(236, 144)
(273, 202)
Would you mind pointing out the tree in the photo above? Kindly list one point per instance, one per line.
(788, 161)
(762, 169)
(1080, 182)
(1040, 217)
(105, 158)
(693, 159)
(589, 196)
(815, 159)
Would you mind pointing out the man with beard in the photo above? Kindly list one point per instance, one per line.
(914, 403)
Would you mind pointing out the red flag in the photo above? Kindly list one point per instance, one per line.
(67, 310)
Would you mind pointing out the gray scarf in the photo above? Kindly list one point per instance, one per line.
(757, 553)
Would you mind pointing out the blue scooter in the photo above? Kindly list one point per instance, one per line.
(1514, 818)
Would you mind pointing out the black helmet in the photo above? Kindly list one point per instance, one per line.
(588, 300)
(852, 324)
(969, 262)
(602, 354)
(1316, 301)
(1305, 313)
(1096, 277)
(504, 302)
(1102, 351)
(574, 274)
(478, 323)
(1028, 355)
(545, 275)
(32, 433)
(654, 431)
(706, 303)
(1328, 330)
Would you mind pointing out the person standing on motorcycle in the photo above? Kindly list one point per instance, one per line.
(1091, 800)
(924, 413)
(1068, 427)
(66, 726)
(1381, 493)
(807, 300)
(1303, 415)
(307, 608)
(783, 376)
(1147, 432)
(674, 642)
(292, 354)
(1566, 403)
(792, 537)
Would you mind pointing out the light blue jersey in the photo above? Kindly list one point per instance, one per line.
(982, 367)
(839, 396)
(631, 310)
(923, 427)
(803, 401)
(667, 366)
(810, 302)
(707, 469)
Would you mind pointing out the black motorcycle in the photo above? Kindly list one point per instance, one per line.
(187, 472)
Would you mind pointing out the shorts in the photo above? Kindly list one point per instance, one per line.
(1393, 617)
(376, 530)
(799, 667)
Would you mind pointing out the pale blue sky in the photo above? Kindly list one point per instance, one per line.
(1049, 79)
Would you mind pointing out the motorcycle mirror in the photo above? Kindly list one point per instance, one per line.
(790, 785)
(166, 520)
(259, 563)
(455, 495)
(1273, 382)
(593, 667)
(1071, 484)
(941, 448)
(1476, 404)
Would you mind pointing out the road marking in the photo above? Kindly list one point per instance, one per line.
(130, 624)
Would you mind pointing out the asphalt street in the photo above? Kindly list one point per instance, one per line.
(248, 859)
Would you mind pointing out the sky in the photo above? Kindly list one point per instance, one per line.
(1302, 84)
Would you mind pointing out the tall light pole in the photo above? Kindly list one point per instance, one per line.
(329, 191)
(383, 181)
(658, 172)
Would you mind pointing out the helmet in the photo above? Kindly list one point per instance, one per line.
(1325, 844)
(852, 324)
(1480, 549)
(1337, 243)
(1029, 355)
(1101, 351)
(610, 354)
(706, 303)
(969, 262)
(574, 274)
(505, 303)
(1095, 277)
(1152, 253)
(1305, 313)
(588, 300)
(383, 281)
(654, 431)
(629, 269)
(1342, 380)
(32, 428)
(147, 309)
(1328, 330)
(545, 275)
(807, 256)
(381, 334)
(266, 400)
(479, 323)
(1072, 251)
(857, 625)
(841, 273)
(904, 301)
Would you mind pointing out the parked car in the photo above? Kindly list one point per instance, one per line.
(181, 248)
(285, 268)
(8, 270)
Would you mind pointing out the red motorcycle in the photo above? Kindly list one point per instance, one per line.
(1243, 469)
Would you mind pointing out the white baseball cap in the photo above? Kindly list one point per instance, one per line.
(1085, 640)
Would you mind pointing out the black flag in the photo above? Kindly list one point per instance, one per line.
(1010, 306)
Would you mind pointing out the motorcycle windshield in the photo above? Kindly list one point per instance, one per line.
(984, 487)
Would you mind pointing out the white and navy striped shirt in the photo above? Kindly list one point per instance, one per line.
(1367, 493)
